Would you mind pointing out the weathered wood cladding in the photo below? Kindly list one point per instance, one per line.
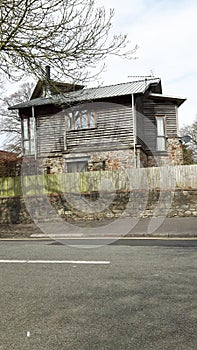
(114, 128)
(146, 122)
(150, 131)
(50, 133)
(169, 111)
(114, 125)
(139, 121)
(49, 124)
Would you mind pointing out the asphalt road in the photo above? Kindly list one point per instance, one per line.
(143, 242)
(115, 297)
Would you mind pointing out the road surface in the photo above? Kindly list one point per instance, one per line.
(113, 297)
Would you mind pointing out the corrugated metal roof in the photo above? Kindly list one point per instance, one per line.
(89, 94)
(115, 90)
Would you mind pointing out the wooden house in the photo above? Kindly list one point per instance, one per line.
(69, 128)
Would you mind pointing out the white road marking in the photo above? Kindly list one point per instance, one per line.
(28, 334)
(82, 262)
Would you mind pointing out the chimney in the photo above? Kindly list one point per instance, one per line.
(48, 72)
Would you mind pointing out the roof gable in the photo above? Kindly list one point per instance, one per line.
(46, 88)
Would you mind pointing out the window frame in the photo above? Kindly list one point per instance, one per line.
(76, 162)
(76, 124)
(76, 166)
(80, 167)
(160, 136)
(28, 135)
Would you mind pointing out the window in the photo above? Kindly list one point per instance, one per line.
(83, 119)
(28, 136)
(76, 167)
(161, 140)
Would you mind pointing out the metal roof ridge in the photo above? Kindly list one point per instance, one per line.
(93, 92)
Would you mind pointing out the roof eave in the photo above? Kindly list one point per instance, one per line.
(179, 100)
(32, 103)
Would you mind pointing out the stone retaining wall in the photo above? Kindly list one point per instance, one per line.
(13, 211)
(100, 195)
(88, 207)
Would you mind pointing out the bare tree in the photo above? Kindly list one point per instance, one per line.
(73, 36)
(10, 124)
(189, 138)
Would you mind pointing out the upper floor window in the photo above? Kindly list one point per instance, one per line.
(81, 119)
(161, 136)
(28, 136)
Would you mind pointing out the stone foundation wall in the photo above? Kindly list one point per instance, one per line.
(86, 207)
(52, 165)
(116, 159)
(111, 160)
(175, 151)
(102, 160)
(174, 155)
(106, 160)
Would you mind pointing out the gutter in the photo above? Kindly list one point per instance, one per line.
(34, 127)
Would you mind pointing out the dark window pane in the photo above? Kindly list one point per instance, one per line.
(76, 167)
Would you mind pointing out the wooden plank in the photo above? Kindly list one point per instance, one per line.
(143, 178)
(116, 121)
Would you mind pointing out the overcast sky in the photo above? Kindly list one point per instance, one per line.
(166, 33)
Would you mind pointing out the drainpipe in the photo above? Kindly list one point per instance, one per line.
(34, 128)
(22, 134)
(177, 121)
(134, 129)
